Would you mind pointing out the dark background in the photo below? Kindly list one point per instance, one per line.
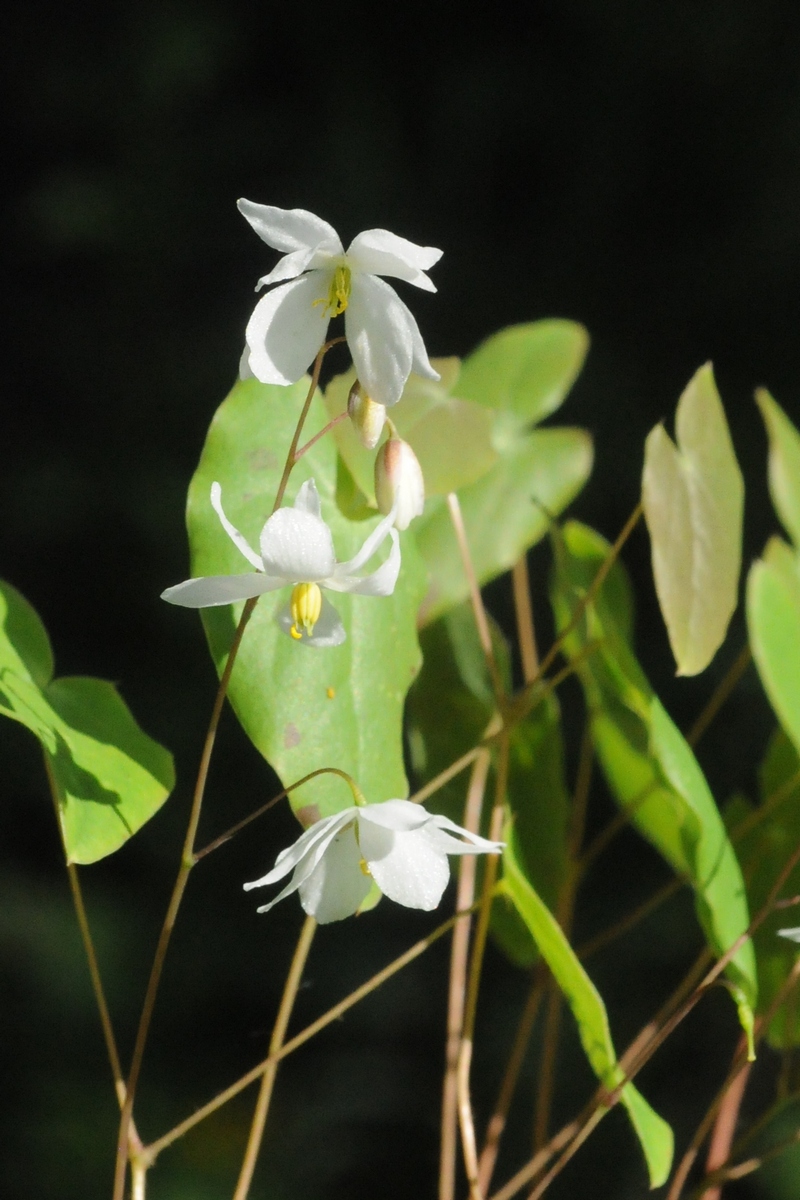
(635, 167)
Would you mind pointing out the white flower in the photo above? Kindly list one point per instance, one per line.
(296, 548)
(396, 843)
(289, 325)
(399, 486)
(792, 934)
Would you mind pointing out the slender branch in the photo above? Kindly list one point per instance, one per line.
(333, 1014)
(478, 610)
(311, 441)
(720, 694)
(497, 1121)
(630, 920)
(187, 856)
(446, 775)
(558, 1166)
(457, 986)
(276, 1041)
(526, 631)
(465, 1116)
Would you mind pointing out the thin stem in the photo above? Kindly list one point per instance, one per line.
(558, 1166)
(187, 856)
(465, 1116)
(547, 1068)
(497, 1121)
(276, 1041)
(291, 456)
(725, 1126)
(720, 694)
(311, 441)
(526, 631)
(230, 833)
(446, 775)
(478, 610)
(457, 987)
(333, 1014)
(606, 936)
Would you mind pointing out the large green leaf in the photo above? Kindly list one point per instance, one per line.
(783, 464)
(764, 850)
(588, 1009)
(304, 707)
(693, 498)
(773, 621)
(650, 767)
(109, 776)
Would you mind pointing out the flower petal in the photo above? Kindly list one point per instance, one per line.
(382, 253)
(286, 330)
(238, 539)
(370, 545)
(307, 499)
(380, 333)
(328, 631)
(297, 546)
(380, 583)
(220, 589)
(420, 362)
(336, 887)
(400, 815)
(311, 844)
(244, 364)
(289, 229)
(407, 867)
(465, 843)
(288, 267)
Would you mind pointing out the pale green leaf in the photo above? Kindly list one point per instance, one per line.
(304, 707)
(589, 1011)
(773, 621)
(783, 464)
(650, 767)
(109, 776)
(693, 498)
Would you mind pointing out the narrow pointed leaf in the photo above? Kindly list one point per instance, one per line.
(650, 767)
(783, 464)
(109, 776)
(589, 1011)
(304, 707)
(693, 501)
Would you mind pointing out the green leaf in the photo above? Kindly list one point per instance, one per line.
(784, 463)
(304, 707)
(765, 849)
(505, 512)
(693, 498)
(524, 372)
(539, 801)
(650, 767)
(773, 622)
(109, 776)
(452, 438)
(588, 1009)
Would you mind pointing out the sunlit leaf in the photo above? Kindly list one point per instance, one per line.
(693, 498)
(109, 776)
(304, 707)
(773, 621)
(783, 463)
(588, 1009)
(649, 765)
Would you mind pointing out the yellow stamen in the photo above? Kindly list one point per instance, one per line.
(364, 868)
(338, 293)
(306, 605)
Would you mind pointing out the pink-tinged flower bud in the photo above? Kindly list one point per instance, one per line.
(367, 415)
(398, 482)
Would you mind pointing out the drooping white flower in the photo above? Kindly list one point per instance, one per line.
(399, 486)
(792, 934)
(396, 843)
(296, 549)
(289, 325)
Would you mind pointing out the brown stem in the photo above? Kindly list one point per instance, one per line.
(291, 456)
(630, 920)
(465, 1115)
(333, 1014)
(478, 610)
(526, 631)
(457, 987)
(720, 695)
(276, 1041)
(312, 441)
(725, 1126)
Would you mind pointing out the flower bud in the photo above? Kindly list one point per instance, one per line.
(398, 482)
(367, 415)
